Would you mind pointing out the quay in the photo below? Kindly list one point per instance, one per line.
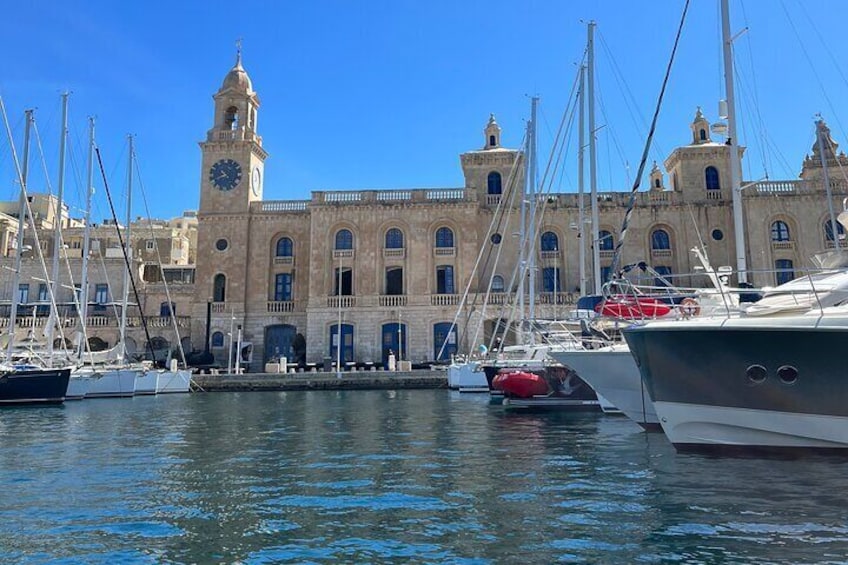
(349, 380)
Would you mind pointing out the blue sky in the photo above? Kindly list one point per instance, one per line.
(386, 94)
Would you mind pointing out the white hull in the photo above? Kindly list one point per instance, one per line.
(79, 385)
(693, 425)
(613, 374)
(464, 377)
(146, 382)
(113, 383)
(173, 381)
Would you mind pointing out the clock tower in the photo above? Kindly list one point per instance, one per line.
(232, 165)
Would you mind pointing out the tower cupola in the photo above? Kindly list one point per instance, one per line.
(700, 129)
(493, 134)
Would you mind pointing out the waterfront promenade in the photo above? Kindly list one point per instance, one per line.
(349, 380)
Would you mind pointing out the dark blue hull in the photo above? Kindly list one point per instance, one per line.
(34, 386)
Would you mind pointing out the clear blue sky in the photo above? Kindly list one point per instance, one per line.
(387, 94)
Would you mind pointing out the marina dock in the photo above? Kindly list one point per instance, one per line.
(349, 380)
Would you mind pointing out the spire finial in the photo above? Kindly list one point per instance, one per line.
(238, 51)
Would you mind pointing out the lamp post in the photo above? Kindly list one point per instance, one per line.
(339, 324)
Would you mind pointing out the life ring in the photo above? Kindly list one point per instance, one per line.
(689, 307)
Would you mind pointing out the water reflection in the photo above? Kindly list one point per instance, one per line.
(391, 476)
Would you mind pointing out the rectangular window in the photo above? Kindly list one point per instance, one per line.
(444, 280)
(785, 270)
(23, 293)
(550, 280)
(343, 285)
(151, 245)
(394, 280)
(665, 273)
(283, 287)
(606, 274)
(42, 292)
(101, 293)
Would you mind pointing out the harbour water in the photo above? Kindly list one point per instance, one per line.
(391, 476)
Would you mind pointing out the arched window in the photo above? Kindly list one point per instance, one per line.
(657, 183)
(217, 339)
(828, 231)
(344, 239)
(605, 241)
(492, 140)
(219, 288)
(231, 118)
(444, 237)
(660, 240)
(284, 247)
(550, 241)
(494, 180)
(394, 239)
(674, 181)
(780, 231)
(703, 134)
(711, 178)
(497, 283)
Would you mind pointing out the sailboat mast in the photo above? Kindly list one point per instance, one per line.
(57, 220)
(22, 208)
(593, 176)
(820, 133)
(733, 145)
(128, 252)
(522, 230)
(581, 207)
(531, 189)
(86, 244)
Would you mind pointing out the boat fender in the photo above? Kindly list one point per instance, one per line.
(689, 307)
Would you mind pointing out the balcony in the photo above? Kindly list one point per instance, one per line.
(549, 255)
(280, 306)
(661, 253)
(714, 194)
(343, 254)
(398, 253)
(219, 307)
(341, 301)
(783, 245)
(444, 252)
(284, 260)
(392, 300)
(444, 299)
(606, 253)
(493, 199)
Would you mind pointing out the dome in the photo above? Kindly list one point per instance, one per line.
(237, 78)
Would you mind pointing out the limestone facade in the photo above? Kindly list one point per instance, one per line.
(398, 267)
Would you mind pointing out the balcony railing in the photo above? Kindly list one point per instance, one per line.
(280, 306)
(783, 245)
(397, 253)
(444, 251)
(343, 254)
(392, 300)
(284, 260)
(444, 299)
(493, 199)
(660, 253)
(341, 301)
(713, 194)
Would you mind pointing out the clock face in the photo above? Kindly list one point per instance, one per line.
(255, 181)
(225, 174)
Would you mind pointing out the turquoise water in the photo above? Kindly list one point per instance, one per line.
(383, 476)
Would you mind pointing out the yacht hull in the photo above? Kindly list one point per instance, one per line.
(613, 374)
(741, 383)
(173, 381)
(113, 383)
(146, 382)
(34, 386)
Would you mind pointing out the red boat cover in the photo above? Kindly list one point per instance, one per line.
(631, 307)
(521, 384)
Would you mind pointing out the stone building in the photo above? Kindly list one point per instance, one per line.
(419, 272)
(409, 270)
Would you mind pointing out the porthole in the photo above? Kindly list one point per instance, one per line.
(756, 374)
(718, 235)
(496, 238)
(787, 374)
(222, 244)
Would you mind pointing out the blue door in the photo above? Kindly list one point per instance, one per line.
(394, 340)
(347, 342)
(444, 340)
(278, 342)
